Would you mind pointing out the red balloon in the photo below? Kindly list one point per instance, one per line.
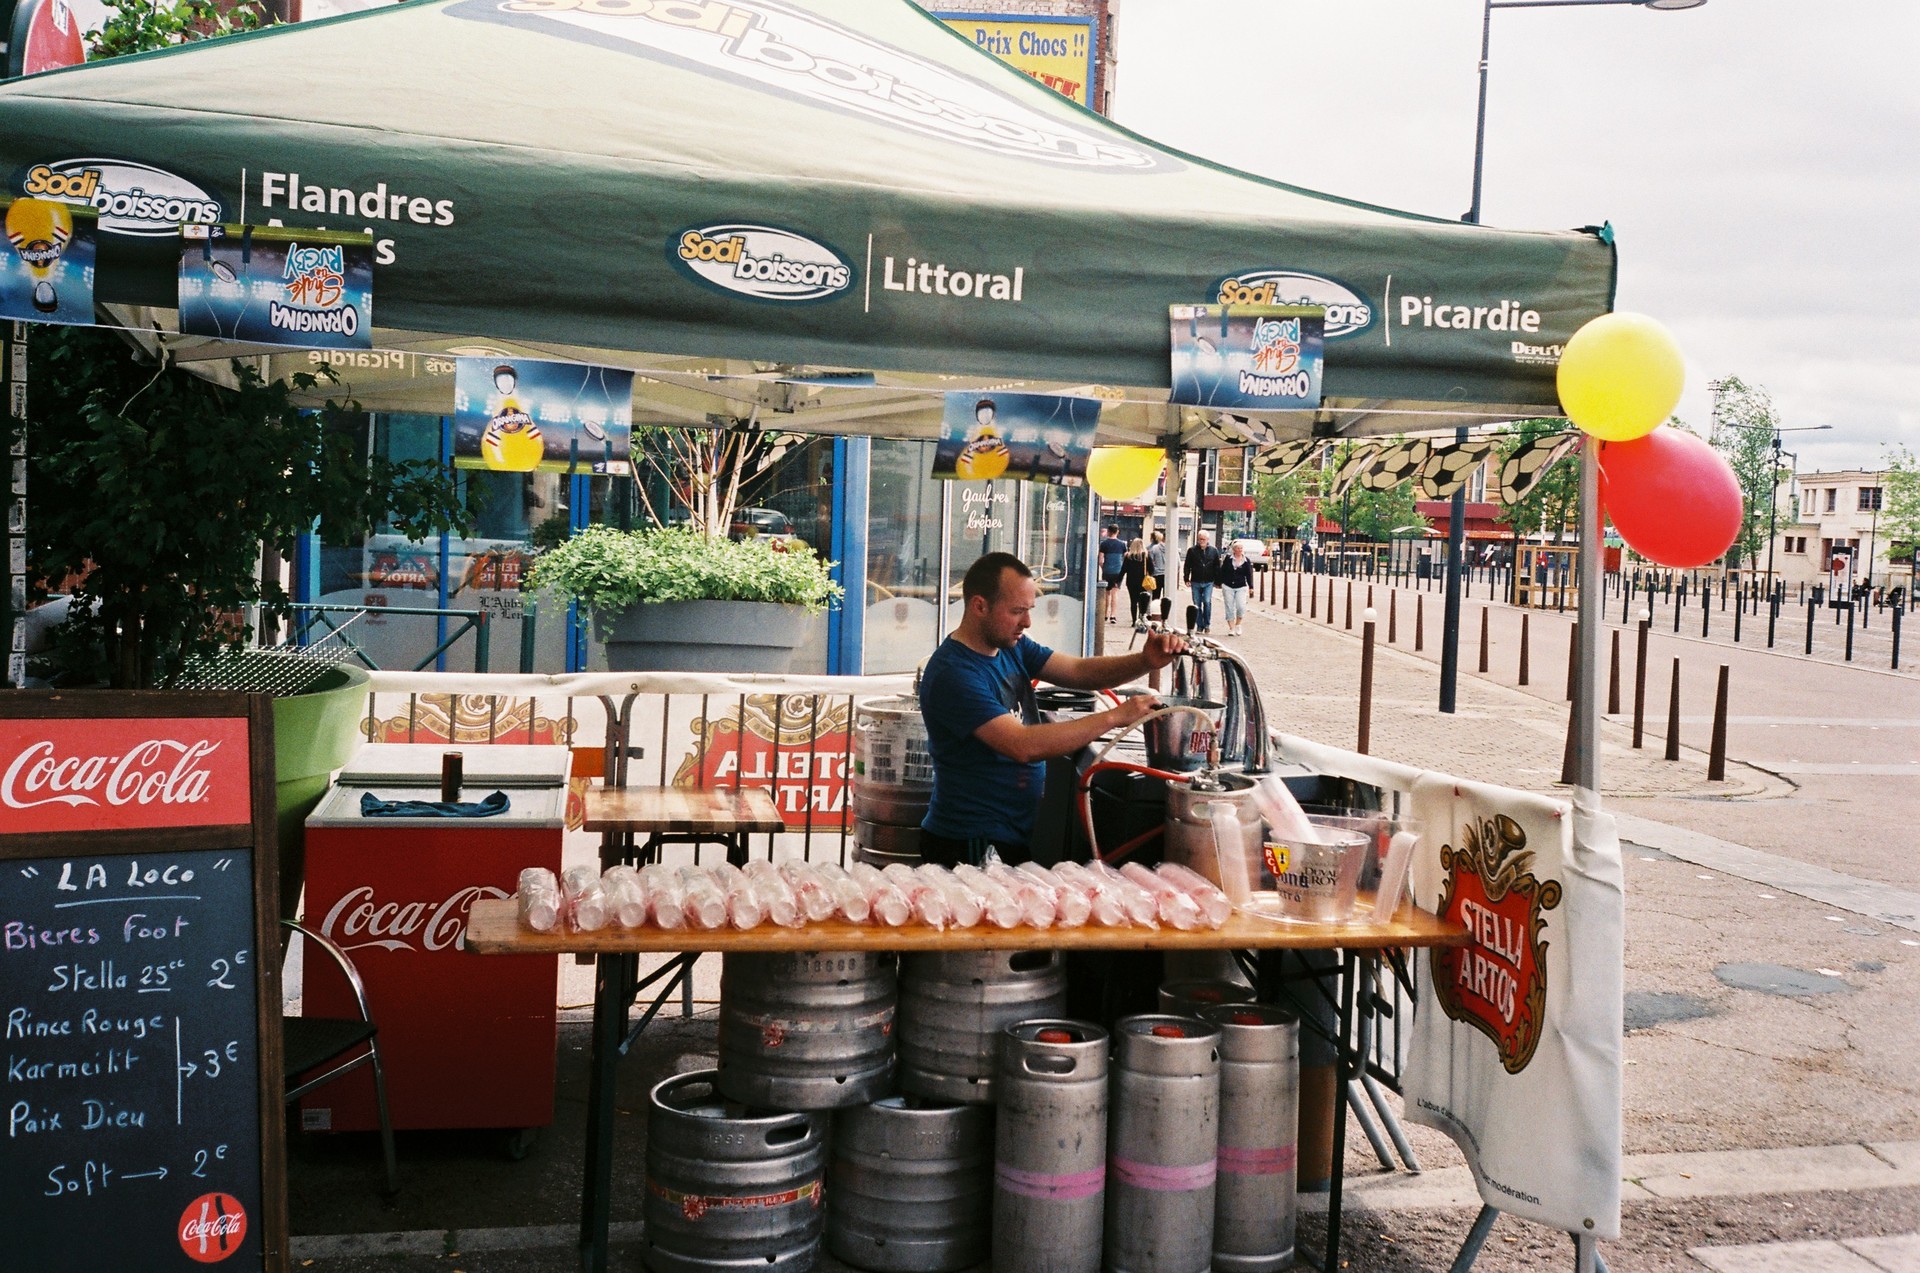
(1671, 496)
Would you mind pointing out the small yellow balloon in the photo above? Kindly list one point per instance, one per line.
(1621, 377)
(1123, 473)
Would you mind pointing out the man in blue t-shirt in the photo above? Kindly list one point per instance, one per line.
(988, 744)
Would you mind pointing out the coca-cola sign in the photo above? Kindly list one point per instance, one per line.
(123, 774)
(360, 919)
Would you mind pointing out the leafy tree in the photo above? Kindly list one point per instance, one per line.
(1553, 501)
(1744, 420)
(1281, 503)
(140, 26)
(154, 491)
(1900, 501)
(1374, 515)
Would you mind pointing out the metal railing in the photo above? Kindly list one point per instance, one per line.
(314, 624)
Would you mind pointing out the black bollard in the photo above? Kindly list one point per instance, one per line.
(1673, 715)
(1483, 640)
(1898, 609)
(1717, 756)
(1573, 658)
(1640, 685)
(1736, 621)
(1849, 606)
(1366, 687)
(1523, 647)
(1812, 608)
(1706, 608)
(1613, 677)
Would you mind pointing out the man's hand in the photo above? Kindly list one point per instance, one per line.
(1162, 648)
(1133, 709)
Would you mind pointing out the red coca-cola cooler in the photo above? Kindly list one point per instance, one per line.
(467, 1042)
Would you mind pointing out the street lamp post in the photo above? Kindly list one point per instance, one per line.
(1457, 524)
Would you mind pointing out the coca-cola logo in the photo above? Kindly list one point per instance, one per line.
(358, 920)
(157, 771)
(212, 1227)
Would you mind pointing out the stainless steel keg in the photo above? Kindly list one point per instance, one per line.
(910, 1185)
(809, 1030)
(1186, 998)
(1050, 1147)
(728, 1187)
(1254, 1202)
(883, 844)
(1162, 1142)
(954, 1006)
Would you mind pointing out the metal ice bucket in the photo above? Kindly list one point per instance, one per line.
(1179, 741)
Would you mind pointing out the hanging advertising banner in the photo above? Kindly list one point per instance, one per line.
(1032, 437)
(1247, 357)
(46, 269)
(526, 414)
(272, 286)
(1056, 50)
(43, 35)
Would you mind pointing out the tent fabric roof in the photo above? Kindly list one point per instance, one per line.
(543, 177)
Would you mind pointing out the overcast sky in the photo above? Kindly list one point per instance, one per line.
(1759, 161)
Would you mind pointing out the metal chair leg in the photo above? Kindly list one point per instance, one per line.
(386, 1121)
(1476, 1238)
(1361, 1116)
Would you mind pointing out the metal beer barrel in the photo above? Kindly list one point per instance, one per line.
(910, 1185)
(1050, 1147)
(1255, 1204)
(810, 1030)
(1163, 1142)
(954, 1006)
(729, 1187)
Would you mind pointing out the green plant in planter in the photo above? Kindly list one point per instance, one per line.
(608, 570)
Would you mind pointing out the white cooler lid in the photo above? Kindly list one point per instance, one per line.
(527, 806)
(418, 765)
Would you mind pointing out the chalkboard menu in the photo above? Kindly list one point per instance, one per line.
(139, 983)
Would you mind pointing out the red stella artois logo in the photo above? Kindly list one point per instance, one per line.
(1497, 985)
(796, 745)
(87, 775)
(357, 920)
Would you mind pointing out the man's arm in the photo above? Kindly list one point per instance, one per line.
(1107, 671)
(1028, 743)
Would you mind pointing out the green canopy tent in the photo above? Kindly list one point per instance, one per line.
(745, 200)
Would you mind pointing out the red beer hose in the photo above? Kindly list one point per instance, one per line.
(1084, 791)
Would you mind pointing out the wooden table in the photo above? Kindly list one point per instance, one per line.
(710, 813)
(494, 928)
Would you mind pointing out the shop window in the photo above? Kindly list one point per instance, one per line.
(985, 519)
(903, 557)
(1058, 522)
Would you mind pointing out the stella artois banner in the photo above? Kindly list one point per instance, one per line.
(1517, 1042)
(1517, 1037)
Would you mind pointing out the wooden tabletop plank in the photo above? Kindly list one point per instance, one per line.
(494, 928)
(682, 810)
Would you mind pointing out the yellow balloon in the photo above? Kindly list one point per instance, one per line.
(1621, 376)
(1123, 473)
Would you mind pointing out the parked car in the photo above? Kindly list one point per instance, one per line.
(763, 523)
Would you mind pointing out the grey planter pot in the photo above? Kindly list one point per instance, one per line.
(702, 636)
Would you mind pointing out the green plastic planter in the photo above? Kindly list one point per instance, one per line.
(313, 734)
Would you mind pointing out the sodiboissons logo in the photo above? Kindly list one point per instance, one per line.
(130, 198)
(776, 46)
(763, 262)
(1347, 312)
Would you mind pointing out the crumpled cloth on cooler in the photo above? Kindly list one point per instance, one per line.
(372, 806)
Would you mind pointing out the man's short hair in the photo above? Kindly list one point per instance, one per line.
(983, 576)
(1113, 530)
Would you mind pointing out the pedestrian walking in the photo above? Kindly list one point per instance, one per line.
(1113, 552)
(1201, 571)
(1236, 580)
(1134, 568)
